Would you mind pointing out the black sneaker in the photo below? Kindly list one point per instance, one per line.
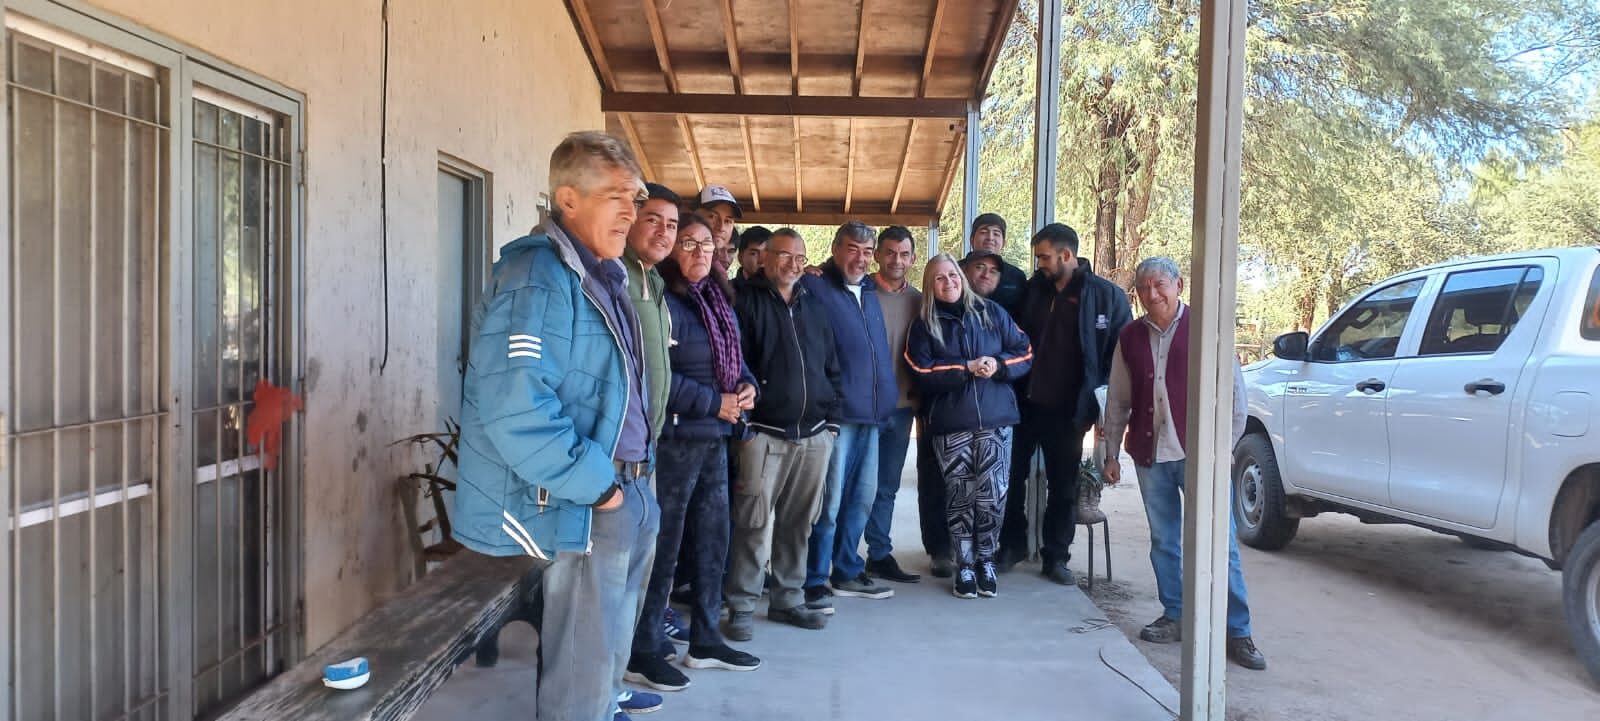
(819, 599)
(798, 616)
(1243, 652)
(1058, 572)
(860, 587)
(966, 583)
(942, 567)
(888, 569)
(1163, 630)
(720, 656)
(988, 584)
(653, 671)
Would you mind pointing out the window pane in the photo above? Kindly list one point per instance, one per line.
(1477, 309)
(1371, 328)
(1591, 316)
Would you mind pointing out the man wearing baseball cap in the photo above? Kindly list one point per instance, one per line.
(989, 235)
(983, 269)
(720, 210)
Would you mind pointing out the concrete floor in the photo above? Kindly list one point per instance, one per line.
(1038, 652)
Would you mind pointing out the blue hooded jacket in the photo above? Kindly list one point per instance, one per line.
(865, 363)
(542, 405)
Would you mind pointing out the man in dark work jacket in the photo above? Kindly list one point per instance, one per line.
(1072, 316)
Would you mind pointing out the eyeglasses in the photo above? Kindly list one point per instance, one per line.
(785, 257)
(695, 246)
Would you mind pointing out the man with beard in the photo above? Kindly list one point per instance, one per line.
(1072, 317)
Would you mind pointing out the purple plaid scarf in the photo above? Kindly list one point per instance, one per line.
(717, 314)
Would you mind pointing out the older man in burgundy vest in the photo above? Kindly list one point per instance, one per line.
(1147, 400)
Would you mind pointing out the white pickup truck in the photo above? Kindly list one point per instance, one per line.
(1463, 397)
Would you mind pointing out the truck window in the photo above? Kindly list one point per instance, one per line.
(1477, 309)
(1591, 314)
(1371, 328)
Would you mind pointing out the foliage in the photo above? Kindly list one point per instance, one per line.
(1379, 135)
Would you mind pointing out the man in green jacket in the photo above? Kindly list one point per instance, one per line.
(650, 241)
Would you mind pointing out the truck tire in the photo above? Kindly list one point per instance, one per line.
(1580, 584)
(1259, 506)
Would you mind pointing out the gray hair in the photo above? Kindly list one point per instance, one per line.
(1158, 264)
(930, 307)
(855, 231)
(581, 156)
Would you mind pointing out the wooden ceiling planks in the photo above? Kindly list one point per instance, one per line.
(811, 152)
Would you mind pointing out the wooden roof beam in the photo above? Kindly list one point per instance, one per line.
(814, 106)
(905, 163)
(950, 170)
(799, 189)
(731, 33)
(861, 49)
(658, 37)
(933, 45)
(591, 38)
(833, 217)
(850, 169)
(650, 173)
(750, 163)
(693, 150)
(1003, 20)
(794, 50)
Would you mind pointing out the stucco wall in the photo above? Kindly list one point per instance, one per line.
(493, 82)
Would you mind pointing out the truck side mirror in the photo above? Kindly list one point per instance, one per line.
(1291, 346)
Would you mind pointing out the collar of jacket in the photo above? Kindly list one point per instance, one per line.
(564, 246)
(760, 282)
(830, 271)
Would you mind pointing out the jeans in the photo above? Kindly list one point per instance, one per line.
(930, 496)
(692, 491)
(894, 439)
(846, 501)
(1053, 432)
(591, 603)
(1161, 486)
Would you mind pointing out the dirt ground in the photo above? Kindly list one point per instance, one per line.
(1361, 622)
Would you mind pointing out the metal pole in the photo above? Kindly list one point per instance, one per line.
(1047, 115)
(933, 238)
(969, 186)
(1207, 504)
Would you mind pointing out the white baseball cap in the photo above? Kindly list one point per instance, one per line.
(719, 194)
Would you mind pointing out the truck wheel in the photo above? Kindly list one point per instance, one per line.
(1259, 508)
(1580, 582)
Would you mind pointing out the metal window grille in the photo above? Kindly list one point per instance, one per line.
(86, 296)
(241, 172)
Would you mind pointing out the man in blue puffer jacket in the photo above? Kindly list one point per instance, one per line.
(869, 398)
(555, 433)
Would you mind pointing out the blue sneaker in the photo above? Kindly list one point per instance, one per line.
(639, 702)
(620, 716)
(676, 627)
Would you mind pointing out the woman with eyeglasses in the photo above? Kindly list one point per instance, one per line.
(964, 352)
(711, 388)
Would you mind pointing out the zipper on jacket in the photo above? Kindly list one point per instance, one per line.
(588, 536)
(805, 392)
(867, 327)
(977, 405)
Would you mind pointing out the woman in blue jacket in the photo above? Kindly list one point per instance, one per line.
(964, 352)
(711, 389)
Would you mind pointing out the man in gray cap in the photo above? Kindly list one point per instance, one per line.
(720, 210)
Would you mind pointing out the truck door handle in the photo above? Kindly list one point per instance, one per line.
(1371, 385)
(1487, 385)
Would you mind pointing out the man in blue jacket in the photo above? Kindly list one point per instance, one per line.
(850, 300)
(555, 433)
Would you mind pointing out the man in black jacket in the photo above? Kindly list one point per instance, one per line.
(789, 346)
(989, 237)
(1072, 317)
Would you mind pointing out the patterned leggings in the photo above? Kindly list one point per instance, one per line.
(977, 471)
